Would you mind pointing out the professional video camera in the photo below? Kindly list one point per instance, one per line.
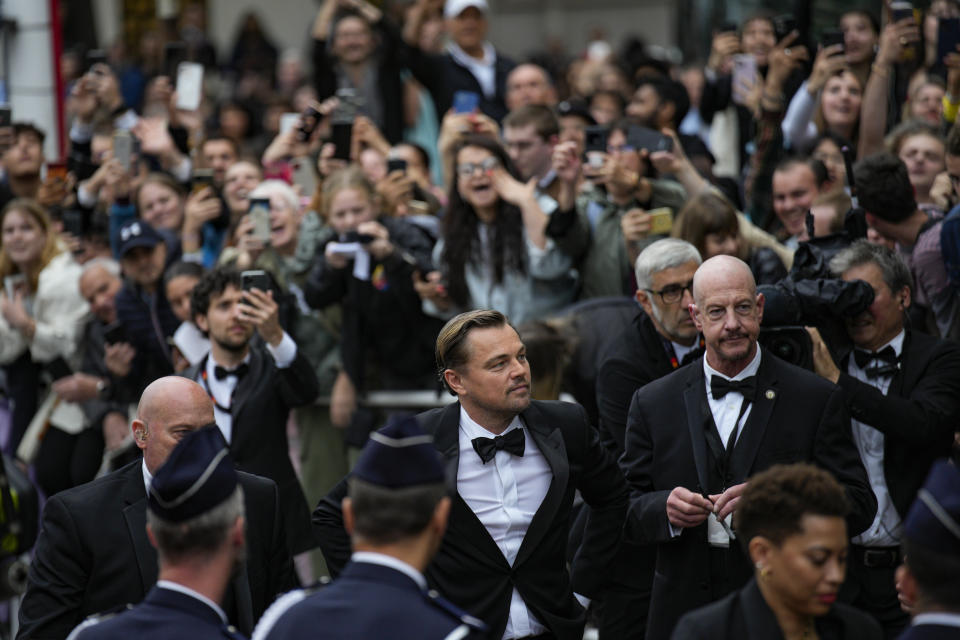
(811, 296)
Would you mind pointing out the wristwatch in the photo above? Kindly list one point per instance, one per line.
(103, 388)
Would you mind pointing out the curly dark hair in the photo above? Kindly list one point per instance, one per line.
(883, 187)
(461, 234)
(775, 501)
(213, 283)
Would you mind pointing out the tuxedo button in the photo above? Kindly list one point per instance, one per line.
(704, 585)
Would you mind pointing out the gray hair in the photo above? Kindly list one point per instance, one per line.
(663, 254)
(268, 188)
(199, 536)
(895, 272)
(109, 265)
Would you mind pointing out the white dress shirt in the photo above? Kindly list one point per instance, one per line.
(886, 528)
(504, 493)
(222, 390)
(726, 412)
(483, 70)
(726, 409)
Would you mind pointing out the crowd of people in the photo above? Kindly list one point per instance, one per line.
(745, 271)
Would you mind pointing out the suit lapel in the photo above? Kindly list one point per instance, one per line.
(242, 394)
(692, 393)
(745, 451)
(550, 442)
(135, 515)
(446, 439)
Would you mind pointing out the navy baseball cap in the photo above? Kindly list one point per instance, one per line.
(137, 233)
(399, 455)
(198, 476)
(934, 518)
(575, 107)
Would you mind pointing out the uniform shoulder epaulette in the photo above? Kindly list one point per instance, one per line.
(282, 604)
(97, 618)
(468, 622)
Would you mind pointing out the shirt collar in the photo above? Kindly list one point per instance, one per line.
(212, 364)
(372, 557)
(941, 618)
(750, 370)
(187, 591)
(147, 477)
(461, 56)
(896, 343)
(473, 429)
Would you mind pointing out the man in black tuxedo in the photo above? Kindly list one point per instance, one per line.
(512, 468)
(695, 436)
(658, 341)
(93, 553)
(254, 385)
(902, 388)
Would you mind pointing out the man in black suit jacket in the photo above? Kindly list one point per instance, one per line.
(902, 388)
(657, 342)
(93, 553)
(469, 64)
(502, 558)
(254, 387)
(692, 442)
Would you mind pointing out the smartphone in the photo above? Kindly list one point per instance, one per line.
(784, 25)
(123, 148)
(260, 214)
(396, 164)
(73, 222)
(465, 101)
(94, 57)
(311, 117)
(189, 86)
(831, 37)
(6, 116)
(744, 72)
(57, 170)
(728, 27)
(354, 236)
(341, 135)
(10, 284)
(288, 121)
(201, 179)
(901, 10)
(641, 138)
(114, 333)
(58, 368)
(948, 37)
(595, 145)
(256, 279)
(173, 54)
(661, 220)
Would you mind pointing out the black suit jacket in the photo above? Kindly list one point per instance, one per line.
(470, 569)
(443, 76)
(93, 553)
(745, 615)
(636, 358)
(917, 416)
(796, 417)
(258, 444)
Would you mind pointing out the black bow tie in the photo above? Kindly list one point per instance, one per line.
(720, 387)
(220, 373)
(487, 448)
(863, 358)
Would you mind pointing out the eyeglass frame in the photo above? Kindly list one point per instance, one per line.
(667, 290)
(484, 166)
